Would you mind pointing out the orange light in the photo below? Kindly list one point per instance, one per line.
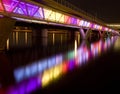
(1, 7)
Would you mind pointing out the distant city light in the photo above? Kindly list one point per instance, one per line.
(114, 25)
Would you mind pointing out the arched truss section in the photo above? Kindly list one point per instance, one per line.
(26, 9)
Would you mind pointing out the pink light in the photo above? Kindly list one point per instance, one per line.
(92, 25)
(1, 16)
(78, 22)
(103, 28)
(106, 29)
(10, 4)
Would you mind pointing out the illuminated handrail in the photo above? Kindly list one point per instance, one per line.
(71, 6)
(30, 10)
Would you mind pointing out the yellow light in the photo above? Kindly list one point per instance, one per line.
(16, 37)
(58, 16)
(75, 48)
(13, 37)
(26, 38)
(7, 44)
(114, 25)
(47, 77)
(51, 74)
(52, 16)
(78, 38)
(62, 19)
(57, 71)
(47, 13)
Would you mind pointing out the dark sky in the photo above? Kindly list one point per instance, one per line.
(106, 10)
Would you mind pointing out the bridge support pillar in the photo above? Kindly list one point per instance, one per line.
(6, 27)
(104, 34)
(40, 36)
(109, 34)
(82, 33)
(85, 35)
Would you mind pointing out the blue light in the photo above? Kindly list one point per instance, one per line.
(33, 69)
(42, 65)
(27, 71)
(19, 74)
(51, 62)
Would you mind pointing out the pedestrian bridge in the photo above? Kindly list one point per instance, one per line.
(43, 13)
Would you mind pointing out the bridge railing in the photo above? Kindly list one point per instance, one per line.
(73, 7)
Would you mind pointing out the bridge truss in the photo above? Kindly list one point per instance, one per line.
(33, 12)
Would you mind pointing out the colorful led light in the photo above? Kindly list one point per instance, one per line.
(41, 13)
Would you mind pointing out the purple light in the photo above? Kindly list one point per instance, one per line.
(71, 64)
(39, 13)
(73, 21)
(18, 11)
(21, 9)
(25, 87)
(32, 9)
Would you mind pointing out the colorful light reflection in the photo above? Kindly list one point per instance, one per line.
(41, 73)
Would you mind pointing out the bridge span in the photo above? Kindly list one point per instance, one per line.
(44, 13)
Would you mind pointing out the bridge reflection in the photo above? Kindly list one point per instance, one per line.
(41, 73)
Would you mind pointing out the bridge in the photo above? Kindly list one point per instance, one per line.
(48, 12)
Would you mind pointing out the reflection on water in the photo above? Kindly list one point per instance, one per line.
(41, 72)
(19, 39)
(117, 44)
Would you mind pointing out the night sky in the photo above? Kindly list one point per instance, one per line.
(106, 10)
